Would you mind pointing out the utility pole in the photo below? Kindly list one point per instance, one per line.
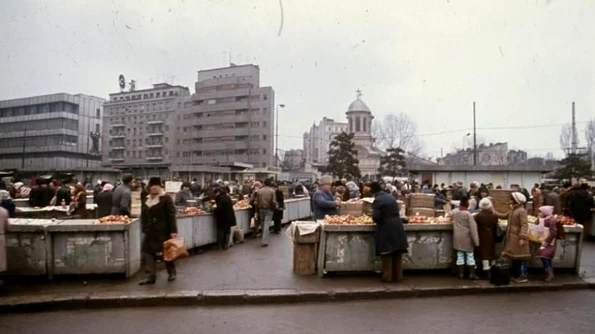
(474, 138)
(574, 138)
(24, 147)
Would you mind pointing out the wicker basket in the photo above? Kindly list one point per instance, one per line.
(501, 199)
(426, 201)
(422, 212)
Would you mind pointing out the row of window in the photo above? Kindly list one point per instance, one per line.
(242, 125)
(133, 97)
(38, 141)
(42, 109)
(215, 153)
(137, 154)
(50, 124)
(138, 109)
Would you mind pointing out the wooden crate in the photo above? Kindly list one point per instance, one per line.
(311, 238)
(501, 199)
(422, 201)
(304, 259)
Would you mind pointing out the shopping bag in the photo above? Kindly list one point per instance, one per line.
(252, 222)
(174, 249)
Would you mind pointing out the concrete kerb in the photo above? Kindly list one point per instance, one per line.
(260, 297)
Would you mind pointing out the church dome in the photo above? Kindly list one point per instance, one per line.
(358, 105)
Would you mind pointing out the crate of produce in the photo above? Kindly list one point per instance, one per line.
(352, 208)
(422, 201)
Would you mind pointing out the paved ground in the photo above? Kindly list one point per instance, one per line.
(553, 312)
(250, 267)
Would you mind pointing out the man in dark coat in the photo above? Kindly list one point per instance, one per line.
(159, 225)
(278, 213)
(104, 201)
(42, 195)
(122, 199)
(551, 198)
(225, 217)
(390, 238)
(580, 203)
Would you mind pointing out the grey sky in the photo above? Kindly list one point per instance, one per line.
(522, 61)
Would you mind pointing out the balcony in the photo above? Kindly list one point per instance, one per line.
(121, 159)
(119, 125)
(117, 148)
(117, 135)
(155, 158)
(155, 134)
(155, 122)
(154, 145)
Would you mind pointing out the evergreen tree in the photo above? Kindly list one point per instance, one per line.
(574, 166)
(343, 157)
(393, 163)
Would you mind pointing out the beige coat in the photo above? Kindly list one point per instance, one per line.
(465, 237)
(517, 230)
(3, 230)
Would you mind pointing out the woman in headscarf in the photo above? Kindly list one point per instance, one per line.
(78, 204)
(486, 226)
(159, 225)
(548, 245)
(517, 245)
(390, 238)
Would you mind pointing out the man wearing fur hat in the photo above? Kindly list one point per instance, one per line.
(159, 225)
(323, 202)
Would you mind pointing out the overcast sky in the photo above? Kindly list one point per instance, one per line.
(522, 61)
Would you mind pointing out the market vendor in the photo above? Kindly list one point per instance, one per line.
(390, 239)
(323, 202)
(42, 195)
(184, 195)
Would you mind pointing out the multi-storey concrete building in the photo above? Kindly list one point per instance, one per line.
(51, 132)
(318, 139)
(229, 119)
(487, 155)
(139, 131)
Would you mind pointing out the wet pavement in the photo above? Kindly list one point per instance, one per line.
(550, 312)
(248, 266)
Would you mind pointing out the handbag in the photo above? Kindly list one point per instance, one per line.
(498, 234)
(174, 249)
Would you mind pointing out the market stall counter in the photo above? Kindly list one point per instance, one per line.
(49, 212)
(57, 247)
(350, 248)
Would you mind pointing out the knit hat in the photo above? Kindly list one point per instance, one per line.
(107, 187)
(546, 210)
(154, 181)
(485, 204)
(519, 198)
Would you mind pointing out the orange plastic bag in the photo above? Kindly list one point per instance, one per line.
(174, 249)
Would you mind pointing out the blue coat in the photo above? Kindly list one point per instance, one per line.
(390, 234)
(323, 204)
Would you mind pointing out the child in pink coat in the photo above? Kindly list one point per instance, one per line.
(547, 250)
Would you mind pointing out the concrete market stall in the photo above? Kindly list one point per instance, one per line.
(345, 248)
(59, 247)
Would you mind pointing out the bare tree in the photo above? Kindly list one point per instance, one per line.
(566, 138)
(590, 135)
(397, 131)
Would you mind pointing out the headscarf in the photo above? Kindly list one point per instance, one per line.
(107, 187)
(485, 204)
(4, 195)
(546, 210)
(519, 198)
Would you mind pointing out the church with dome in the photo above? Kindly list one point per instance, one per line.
(359, 123)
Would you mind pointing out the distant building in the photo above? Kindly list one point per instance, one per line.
(139, 129)
(318, 139)
(229, 119)
(359, 120)
(293, 160)
(487, 155)
(58, 132)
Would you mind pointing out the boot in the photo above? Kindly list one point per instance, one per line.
(387, 268)
(398, 266)
(549, 275)
(472, 275)
(460, 271)
(171, 271)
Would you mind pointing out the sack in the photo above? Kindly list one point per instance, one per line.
(498, 234)
(174, 249)
(238, 235)
(500, 273)
(252, 222)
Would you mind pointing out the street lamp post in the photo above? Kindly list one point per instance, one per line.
(277, 134)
